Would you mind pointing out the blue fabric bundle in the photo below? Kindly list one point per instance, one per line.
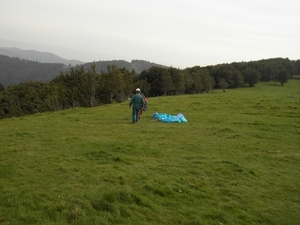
(167, 118)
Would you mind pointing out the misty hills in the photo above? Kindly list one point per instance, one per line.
(18, 66)
(15, 70)
(137, 65)
(42, 57)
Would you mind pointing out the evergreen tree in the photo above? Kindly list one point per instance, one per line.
(178, 80)
(251, 76)
(283, 77)
(2, 88)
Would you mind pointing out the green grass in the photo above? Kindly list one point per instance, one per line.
(236, 161)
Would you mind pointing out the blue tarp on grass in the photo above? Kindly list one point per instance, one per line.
(167, 118)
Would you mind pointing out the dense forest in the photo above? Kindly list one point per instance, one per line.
(83, 86)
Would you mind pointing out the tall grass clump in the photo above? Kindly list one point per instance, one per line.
(236, 161)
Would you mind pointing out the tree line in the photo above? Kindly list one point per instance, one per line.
(84, 87)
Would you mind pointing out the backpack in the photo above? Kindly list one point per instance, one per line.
(145, 106)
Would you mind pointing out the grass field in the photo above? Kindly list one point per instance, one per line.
(236, 161)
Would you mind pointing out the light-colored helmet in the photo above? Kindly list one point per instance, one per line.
(138, 90)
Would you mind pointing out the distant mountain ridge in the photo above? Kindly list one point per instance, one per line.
(14, 70)
(19, 66)
(42, 57)
(137, 65)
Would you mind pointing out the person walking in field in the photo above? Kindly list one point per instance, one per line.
(137, 101)
(144, 107)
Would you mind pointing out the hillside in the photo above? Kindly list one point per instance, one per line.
(14, 70)
(42, 57)
(137, 65)
(235, 162)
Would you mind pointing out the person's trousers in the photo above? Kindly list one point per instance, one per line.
(135, 115)
(140, 112)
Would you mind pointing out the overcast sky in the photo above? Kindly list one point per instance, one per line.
(178, 33)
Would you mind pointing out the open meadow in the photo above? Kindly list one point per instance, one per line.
(236, 161)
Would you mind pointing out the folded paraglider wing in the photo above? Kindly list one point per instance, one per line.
(168, 118)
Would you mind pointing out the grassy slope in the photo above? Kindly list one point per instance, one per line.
(236, 161)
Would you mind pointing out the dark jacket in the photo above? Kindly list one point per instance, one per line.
(137, 101)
